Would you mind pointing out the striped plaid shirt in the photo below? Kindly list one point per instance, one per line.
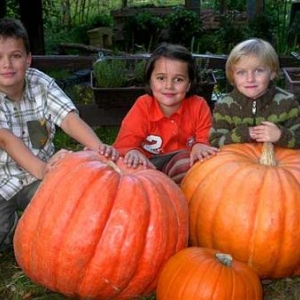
(42, 101)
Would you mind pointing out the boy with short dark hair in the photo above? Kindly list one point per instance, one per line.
(31, 105)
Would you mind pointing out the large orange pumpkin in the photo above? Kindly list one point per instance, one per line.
(202, 273)
(247, 204)
(96, 230)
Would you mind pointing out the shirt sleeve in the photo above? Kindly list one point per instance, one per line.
(49, 95)
(290, 128)
(224, 130)
(133, 129)
(58, 103)
(3, 120)
(204, 122)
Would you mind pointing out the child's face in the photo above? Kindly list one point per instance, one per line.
(251, 77)
(169, 83)
(13, 64)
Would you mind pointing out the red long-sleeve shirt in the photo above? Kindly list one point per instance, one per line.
(146, 128)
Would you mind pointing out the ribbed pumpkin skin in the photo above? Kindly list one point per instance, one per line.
(246, 209)
(196, 274)
(94, 233)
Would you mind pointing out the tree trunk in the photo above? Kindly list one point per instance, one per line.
(194, 5)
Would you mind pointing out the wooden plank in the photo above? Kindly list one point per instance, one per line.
(219, 61)
(32, 18)
(78, 62)
(67, 62)
(84, 49)
(95, 117)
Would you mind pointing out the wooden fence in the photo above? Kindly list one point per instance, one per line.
(79, 62)
(95, 116)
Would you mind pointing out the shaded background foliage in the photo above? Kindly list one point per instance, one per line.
(67, 21)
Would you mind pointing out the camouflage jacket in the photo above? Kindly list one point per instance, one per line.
(234, 113)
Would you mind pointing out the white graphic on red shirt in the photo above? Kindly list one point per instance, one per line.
(190, 142)
(153, 144)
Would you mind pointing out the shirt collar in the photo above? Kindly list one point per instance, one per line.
(264, 99)
(158, 114)
(27, 90)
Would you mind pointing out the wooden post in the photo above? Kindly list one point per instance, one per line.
(124, 3)
(2, 8)
(32, 18)
(254, 8)
(223, 6)
(295, 8)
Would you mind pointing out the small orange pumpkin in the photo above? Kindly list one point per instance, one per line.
(245, 201)
(98, 230)
(202, 273)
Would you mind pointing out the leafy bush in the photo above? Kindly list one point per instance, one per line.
(55, 36)
(294, 31)
(101, 20)
(183, 26)
(110, 73)
(143, 29)
(262, 27)
(229, 34)
(119, 72)
(139, 70)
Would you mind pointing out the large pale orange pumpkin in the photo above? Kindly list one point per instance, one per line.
(96, 230)
(206, 274)
(248, 205)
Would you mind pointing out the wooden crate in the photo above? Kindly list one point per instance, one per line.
(292, 81)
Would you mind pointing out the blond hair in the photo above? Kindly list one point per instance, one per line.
(259, 48)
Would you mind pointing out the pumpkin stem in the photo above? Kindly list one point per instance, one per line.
(268, 155)
(224, 259)
(114, 166)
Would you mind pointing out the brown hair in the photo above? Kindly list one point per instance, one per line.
(13, 28)
(175, 52)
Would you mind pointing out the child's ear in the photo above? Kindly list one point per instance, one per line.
(29, 60)
(188, 88)
(273, 75)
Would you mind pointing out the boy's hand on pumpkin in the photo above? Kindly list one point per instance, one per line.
(134, 158)
(201, 152)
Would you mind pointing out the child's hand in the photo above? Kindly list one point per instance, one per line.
(265, 132)
(109, 151)
(134, 158)
(201, 152)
